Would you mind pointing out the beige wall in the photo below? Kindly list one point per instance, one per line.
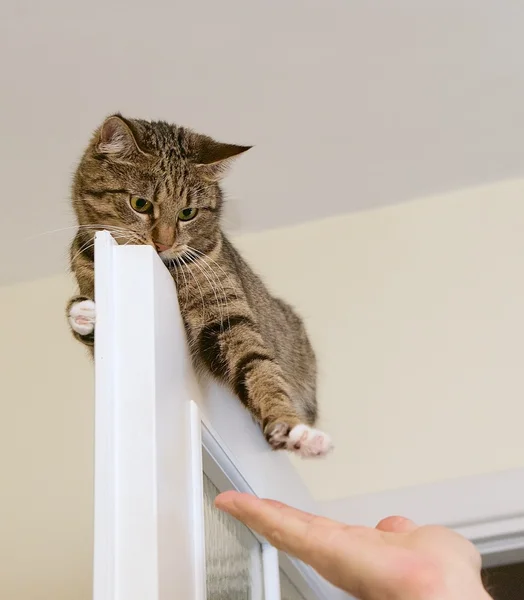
(416, 312)
(417, 315)
(46, 430)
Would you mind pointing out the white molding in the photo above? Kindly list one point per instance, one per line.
(502, 551)
(256, 572)
(104, 556)
(271, 572)
(500, 541)
(455, 503)
(197, 503)
(487, 509)
(144, 472)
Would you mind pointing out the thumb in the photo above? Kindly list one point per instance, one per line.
(396, 525)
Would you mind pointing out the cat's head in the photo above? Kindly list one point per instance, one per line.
(152, 183)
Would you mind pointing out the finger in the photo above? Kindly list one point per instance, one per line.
(289, 511)
(286, 528)
(285, 532)
(339, 553)
(299, 514)
(396, 525)
(226, 502)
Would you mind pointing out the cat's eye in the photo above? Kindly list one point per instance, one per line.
(141, 205)
(186, 214)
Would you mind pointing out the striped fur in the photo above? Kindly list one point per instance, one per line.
(254, 343)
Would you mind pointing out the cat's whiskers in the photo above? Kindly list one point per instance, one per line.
(181, 258)
(186, 287)
(200, 254)
(196, 254)
(91, 244)
(213, 287)
(216, 278)
(109, 228)
(83, 248)
(175, 272)
(116, 232)
(97, 227)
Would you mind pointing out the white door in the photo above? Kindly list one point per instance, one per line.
(165, 446)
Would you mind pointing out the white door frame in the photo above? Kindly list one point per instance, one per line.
(156, 429)
(145, 529)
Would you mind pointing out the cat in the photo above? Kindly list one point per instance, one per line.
(158, 184)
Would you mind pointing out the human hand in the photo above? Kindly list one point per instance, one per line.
(395, 560)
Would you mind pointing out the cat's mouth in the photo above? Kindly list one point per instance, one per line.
(168, 252)
(181, 259)
(162, 247)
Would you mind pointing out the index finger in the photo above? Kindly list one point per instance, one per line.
(284, 527)
(351, 557)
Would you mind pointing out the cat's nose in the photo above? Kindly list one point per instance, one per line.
(161, 247)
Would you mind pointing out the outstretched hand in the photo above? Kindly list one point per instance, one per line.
(395, 560)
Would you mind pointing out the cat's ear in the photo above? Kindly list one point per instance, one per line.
(115, 138)
(213, 158)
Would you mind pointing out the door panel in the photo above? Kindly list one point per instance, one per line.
(233, 554)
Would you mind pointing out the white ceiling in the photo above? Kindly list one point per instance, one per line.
(350, 103)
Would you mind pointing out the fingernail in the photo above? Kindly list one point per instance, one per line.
(219, 503)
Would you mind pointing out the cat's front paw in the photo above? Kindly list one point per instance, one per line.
(306, 441)
(82, 317)
(301, 439)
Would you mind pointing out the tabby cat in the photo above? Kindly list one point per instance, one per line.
(158, 184)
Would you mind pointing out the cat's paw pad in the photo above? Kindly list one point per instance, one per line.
(306, 441)
(82, 317)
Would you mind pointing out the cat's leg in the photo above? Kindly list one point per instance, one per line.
(80, 310)
(234, 351)
(81, 314)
